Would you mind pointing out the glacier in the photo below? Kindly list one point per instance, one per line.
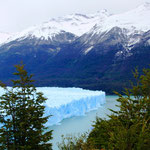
(68, 102)
(64, 103)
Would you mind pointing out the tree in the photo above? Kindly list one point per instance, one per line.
(71, 142)
(128, 128)
(22, 117)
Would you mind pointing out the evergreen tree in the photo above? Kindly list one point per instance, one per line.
(21, 115)
(128, 128)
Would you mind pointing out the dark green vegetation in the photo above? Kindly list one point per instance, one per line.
(128, 128)
(21, 115)
(74, 142)
(107, 66)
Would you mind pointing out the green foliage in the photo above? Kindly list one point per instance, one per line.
(71, 142)
(128, 128)
(99, 136)
(21, 115)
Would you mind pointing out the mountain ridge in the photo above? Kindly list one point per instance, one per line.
(97, 59)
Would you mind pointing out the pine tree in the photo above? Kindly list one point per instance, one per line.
(22, 117)
(128, 128)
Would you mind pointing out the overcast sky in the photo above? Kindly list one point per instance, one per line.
(16, 15)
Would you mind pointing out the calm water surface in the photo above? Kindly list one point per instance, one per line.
(82, 124)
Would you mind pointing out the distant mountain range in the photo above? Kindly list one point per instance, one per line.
(96, 51)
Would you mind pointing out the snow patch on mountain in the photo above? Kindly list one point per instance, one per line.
(88, 50)
(40, 31)
(4, 37)
(148, 42)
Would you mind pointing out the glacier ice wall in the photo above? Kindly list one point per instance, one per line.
(68, 102)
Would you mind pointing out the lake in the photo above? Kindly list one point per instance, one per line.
(82, 124)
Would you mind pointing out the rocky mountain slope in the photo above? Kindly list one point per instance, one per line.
(97, 51)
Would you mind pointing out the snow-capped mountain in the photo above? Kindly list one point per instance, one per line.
(97, 51)
(133, 20)
(76, 24)
(127, 29)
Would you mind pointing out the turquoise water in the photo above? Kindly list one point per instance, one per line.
(82, 124)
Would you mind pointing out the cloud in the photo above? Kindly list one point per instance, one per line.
(16, 15)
